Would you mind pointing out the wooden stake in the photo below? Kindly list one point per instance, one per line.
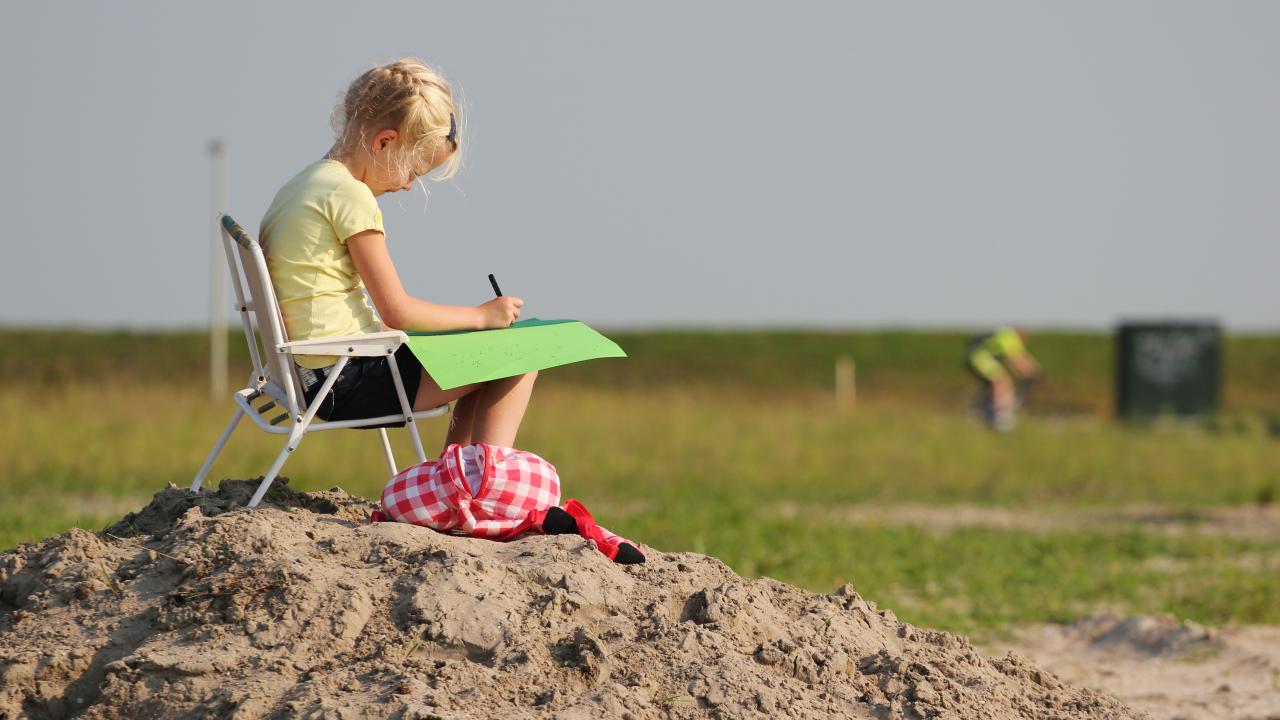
(846, 389)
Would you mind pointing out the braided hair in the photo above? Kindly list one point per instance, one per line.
(405, 96)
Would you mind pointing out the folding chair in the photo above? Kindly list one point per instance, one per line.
(274, 381)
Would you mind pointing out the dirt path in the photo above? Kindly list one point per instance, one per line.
(1158, 665)
(1242, 521)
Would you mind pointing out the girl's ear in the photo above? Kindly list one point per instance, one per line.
(383, 140)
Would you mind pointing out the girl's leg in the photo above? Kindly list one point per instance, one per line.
(431, 396)
(463, 420)
(484, 412)
(499, 408)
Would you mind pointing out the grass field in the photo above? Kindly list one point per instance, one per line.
(901, 368)
(731, 445)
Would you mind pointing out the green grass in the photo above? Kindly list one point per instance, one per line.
(705, 470)
(976, 580)
(700, 440)
(910, 368)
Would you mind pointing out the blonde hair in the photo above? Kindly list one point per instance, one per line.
(405, 96)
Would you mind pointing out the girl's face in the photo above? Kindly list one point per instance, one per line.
(390, 172)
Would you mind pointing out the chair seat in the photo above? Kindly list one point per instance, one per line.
(380, 422)
(265, 417)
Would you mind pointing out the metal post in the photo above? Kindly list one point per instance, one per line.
(218, 278)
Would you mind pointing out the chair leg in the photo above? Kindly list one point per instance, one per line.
(217, 448)
(409, 424)
(386, 449)
(299, 432)
(417, 442)
(289, 447)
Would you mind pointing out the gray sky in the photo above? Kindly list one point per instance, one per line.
(676, 163)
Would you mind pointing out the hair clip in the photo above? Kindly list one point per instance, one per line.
(453, 131)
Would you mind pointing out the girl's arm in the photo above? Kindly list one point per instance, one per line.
(402, 311)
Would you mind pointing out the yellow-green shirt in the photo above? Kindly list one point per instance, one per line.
(304, 236)
(1005, 342)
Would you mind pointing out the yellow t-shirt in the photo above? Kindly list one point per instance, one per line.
(304, 236)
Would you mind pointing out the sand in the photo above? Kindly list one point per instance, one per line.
(194, 607)
(1173, 670)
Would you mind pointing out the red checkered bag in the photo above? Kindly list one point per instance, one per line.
(515, 490)
(497, 493)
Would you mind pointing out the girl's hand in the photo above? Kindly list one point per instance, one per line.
(501, 311)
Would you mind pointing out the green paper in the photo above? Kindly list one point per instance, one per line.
(463, 357)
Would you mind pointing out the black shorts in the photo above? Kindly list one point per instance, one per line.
(365, 388)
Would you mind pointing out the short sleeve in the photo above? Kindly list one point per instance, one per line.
(1010, 343)
(352, 209)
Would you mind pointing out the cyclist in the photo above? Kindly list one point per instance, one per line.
(999, 359)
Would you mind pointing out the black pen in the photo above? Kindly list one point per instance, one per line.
(494, 282)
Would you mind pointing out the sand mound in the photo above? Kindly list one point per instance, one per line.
(195, 607)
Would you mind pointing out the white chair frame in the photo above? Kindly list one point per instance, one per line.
(275, 380)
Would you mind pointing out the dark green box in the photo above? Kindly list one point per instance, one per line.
(1168, 368)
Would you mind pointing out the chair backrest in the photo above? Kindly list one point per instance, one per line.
(274, 372)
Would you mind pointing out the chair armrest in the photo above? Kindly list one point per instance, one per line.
(363, 345)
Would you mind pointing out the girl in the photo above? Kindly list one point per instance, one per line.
(325, 246)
